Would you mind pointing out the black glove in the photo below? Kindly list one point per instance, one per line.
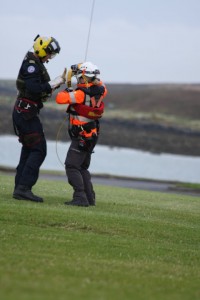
(74, 68)
(69, 90)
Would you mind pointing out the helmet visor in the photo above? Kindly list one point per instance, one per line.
(52, 55)
(53, 48)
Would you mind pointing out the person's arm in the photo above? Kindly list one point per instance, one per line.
(73, 97)
(32, 77)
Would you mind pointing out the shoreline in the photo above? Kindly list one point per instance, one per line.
(120, 181)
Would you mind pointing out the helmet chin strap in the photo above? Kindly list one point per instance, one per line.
(85, 80)
(46, 61)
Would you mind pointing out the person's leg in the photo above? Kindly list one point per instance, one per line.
(87, 179)
(85, 171)
(22, 162)
(32, 156)
(30, 171)
(88, 186)
(74, 160)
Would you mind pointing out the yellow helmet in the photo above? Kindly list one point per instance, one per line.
(45, 45)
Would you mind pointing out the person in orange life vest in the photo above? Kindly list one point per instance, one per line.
(85, 108)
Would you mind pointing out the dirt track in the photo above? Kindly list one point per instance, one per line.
(165, 187)
(145, 185)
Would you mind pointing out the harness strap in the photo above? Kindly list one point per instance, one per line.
(89, 126)
(24, 105)
(99, 101)
(27, 100)
(31, 139)
(93, 101)
(86, 127)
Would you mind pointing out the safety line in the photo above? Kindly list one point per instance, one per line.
(88, 38)
(86, 51)
(57, 137)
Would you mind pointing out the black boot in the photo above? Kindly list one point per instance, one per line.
(91, 200)
(23, 192)
(78, 202)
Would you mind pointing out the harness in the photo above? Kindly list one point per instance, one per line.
(85, 129)
(93, 95)
(89, 111)
(28, 139)
(26, 107)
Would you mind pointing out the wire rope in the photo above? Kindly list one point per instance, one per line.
(86, 52)
(88, 37)
(57, 137)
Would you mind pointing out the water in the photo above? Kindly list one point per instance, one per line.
(113, 161)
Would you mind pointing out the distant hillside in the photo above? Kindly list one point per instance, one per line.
(169, 99)
(154, 117)
(182, 101)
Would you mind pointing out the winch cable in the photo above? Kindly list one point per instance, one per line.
(86, 52)
(88, 38)
(57, 138)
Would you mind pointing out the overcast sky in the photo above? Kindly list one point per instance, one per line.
(145, 41)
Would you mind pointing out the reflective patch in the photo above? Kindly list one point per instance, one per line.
(31, 69)
(54, 45)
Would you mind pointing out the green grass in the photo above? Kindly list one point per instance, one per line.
(192, 186)
(152, 117)
(132, 245)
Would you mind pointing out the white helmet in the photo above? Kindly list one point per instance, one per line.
(88, 69)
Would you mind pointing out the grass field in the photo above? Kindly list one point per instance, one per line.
(132, 245)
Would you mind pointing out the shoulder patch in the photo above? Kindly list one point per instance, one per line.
(31, 69)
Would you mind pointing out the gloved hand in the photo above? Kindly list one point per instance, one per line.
(70, 89)
(57, 82)
(74, 68)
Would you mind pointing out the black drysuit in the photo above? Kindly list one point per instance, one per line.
(33, 90)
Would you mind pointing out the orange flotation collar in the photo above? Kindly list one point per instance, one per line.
(89, 112)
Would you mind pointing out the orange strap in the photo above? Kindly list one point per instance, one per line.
(93, 101)
(87, 135)
(100, 100)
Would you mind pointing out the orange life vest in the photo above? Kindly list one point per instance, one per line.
(85, 103)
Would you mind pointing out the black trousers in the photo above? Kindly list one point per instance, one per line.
(77, 163)
(33, 151)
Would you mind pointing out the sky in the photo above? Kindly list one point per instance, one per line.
(146, 41)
